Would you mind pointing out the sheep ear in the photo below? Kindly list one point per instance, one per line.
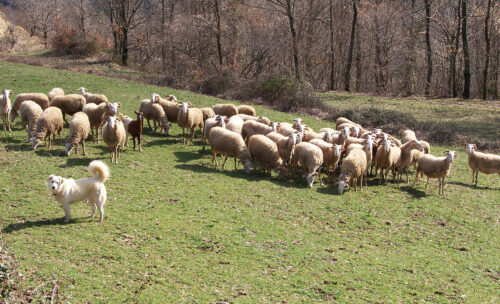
(119, 104)
(179, 105)
(342, 148)
(136, 112)
(475, 147)
(446, 152)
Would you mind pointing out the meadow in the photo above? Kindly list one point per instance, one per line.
(176, 230)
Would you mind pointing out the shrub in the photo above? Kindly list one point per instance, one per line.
(218, 84)
(68, 42)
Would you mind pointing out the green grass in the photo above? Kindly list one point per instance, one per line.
(176, 230)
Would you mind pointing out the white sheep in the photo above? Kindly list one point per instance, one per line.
(409, 135)
(286, 145)
(265, 152)
(342, 120)
(246, 109)
(354, 167)
(235, 124)
(30, 112)
(252, 127)
(407, 158)
(228, 143)
(5, 108)
(387, 158)
(157, 114)
(309, 157)
(79, 129)
(207, 113)
(50, 122)
(40, 98)
(225, 109)
(435, 167)
(55, 92)
(216, 121)
(69, 104)
(93, 98)
(98, 114)
(114, 134)
(482, 162)
(189, 118)
(331, 153)
(170, 106)
(285, 128)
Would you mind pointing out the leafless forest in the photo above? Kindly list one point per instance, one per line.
(438, 48)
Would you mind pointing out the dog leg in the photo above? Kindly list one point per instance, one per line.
(101, 212)
(67, 213)
(92, 211)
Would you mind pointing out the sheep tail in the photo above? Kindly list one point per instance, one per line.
(99, 170)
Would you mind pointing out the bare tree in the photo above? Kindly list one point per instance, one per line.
(332, 46)
(351, 45)
(40, 16)
(428, 45)
(487, 56)
(465, 46)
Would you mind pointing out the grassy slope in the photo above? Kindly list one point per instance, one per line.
(177, 230)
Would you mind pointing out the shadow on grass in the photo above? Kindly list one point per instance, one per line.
(472, 186)
(413, 191)
(18, 148)
(40, 223)
(186, 156)
(79, 161)
(51, 153)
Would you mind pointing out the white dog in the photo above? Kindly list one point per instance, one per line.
(90, 189)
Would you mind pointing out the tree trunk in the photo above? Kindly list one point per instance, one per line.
(218, 31)
(453, 63)
(291, 19)
(332, 49)
(428, 46)
(358, 64)
(487, 59)
(351, 46)
(125, 47)
(465, 46)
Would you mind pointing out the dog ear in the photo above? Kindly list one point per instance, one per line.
(50, 177)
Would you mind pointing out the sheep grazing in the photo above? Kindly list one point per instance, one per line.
(79, 129)
(50, 122)
(93, 98)
(189, 118)
(157, 114)
(225, 109)
(134, 128)
(228, 143)
(207, 113)
(252, 127)
(435, 167)
(170, 106)
(407, 158)
(286, 145)
(30, 112)
(216, 121)
(354, 167)
(97, 115)
(246, 109)
(265, 152)
(146, 107)
(55, 92)
(387, 158)
(69, 104)
(331, 153)
(235, 124)
(5, 108)
(310, 157)
(113, 134)
(41, 99)
(482, 162)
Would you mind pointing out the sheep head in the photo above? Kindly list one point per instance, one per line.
(450, 155)
(69, 147)
(471, 148)
(387, 145)
(82, 90)
(274, 126)
(337, 149)
(342, 183)
(7, 93)
(155, 97)
(417, 144)
(34, 143)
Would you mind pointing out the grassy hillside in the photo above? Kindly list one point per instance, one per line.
(176, 230)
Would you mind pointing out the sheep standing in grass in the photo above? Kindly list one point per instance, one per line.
(113, 134)
(216, 121)
(189, 118)
(235, 124)
(246, 109)
(159, 118)
(354, 167)
(228, 143)
(225, 109)
(207, 113)
(41, 99)
(331, 153)
(93, 98)
(407, 158)
(55, 92)
(79, 129)
(482, 162)
(265, 152)
(134, 128)
(286, 145)
(98, 114)
(252, 127)
(69, 104)
(310, 158)
(435, 167)
(170, 106)
(50, 122)
(387, 158)
(126, 121)
(30, 112)
(5, 108)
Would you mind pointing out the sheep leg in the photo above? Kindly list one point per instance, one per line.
(149, 125)
(355, 182)
(192, 134)
(116, 155)
(427, 183)
(477, 172)
(97, 134)
(214, 158)
(83, 147)
(224, 162)
(126, 139)
(133, 139)
(64, 118)
(139, 141)
(381, 175)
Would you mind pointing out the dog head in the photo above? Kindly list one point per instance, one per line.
(55, 183)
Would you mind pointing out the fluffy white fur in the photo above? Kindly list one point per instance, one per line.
(89, 189)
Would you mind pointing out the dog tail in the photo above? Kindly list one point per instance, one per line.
(99, 170)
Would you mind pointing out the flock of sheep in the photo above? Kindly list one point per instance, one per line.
(239, 133)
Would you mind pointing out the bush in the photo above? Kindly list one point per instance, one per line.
(218, 84)
(68, 42)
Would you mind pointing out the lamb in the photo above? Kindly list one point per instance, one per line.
(286, 145)
(189, 118)
(331, 153)
(50, 122)
(310, 157)
(40, 98)
(55, 92)
(217, 121)
(126, 121)
(435, 167)
(30, 112)
(482, 162)
(97, 115)
(225, 109)
(5, 108)
(246, 109)
(93, 98)
(265, 151)
(113, 134)
(235, 124)
(387, 158)
(406, 159)
(207, 113)
(69, 104)
(170, 106)
(157, 114)
(228, 143)
(79, 129)
(353, 168)
(134, 128)
(252, 127)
